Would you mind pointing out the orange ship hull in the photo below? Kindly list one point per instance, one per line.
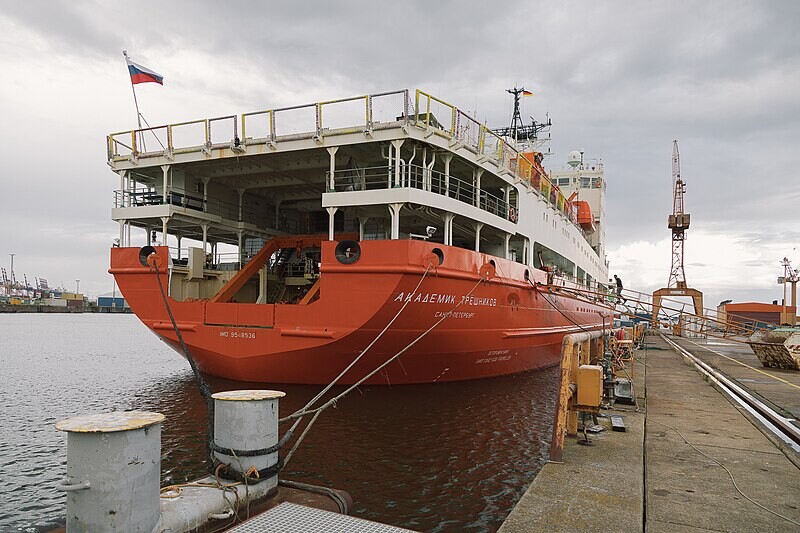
(503, 327)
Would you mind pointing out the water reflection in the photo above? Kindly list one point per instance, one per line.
(442, 457)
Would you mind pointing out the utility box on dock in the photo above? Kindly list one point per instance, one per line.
(590, 385)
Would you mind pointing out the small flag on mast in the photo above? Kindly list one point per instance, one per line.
(527, 93)
(140, 74)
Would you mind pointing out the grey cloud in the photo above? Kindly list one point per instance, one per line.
(620, 79)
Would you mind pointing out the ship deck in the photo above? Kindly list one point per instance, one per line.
(332, 166)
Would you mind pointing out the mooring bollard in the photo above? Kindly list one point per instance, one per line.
(113, 471)
(246, 421)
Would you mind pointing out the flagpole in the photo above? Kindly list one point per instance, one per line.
(133, 88)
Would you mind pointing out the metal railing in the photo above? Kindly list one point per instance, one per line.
(462, 129)
(335, 117)
(264, 218)
(260, 127)
(418, 177)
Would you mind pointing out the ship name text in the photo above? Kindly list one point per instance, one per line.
(435, 298)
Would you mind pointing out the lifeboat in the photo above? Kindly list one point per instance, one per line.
(585, 216)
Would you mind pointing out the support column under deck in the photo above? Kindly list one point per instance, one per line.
(205, 238)
(164, 192)
(476, 179)
(447, 158)
(448, 228)
(331, 212)
(397, 143)
(362, 224)
(394, 210)
(478, 227)
(164, 221)
(331, 181)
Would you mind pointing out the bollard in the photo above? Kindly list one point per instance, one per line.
(113, 471)
(244, 421)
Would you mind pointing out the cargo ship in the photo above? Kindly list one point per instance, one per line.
(286, 242)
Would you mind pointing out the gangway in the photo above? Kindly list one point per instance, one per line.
(706, 323)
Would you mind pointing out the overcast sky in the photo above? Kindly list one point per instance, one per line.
(619, 79)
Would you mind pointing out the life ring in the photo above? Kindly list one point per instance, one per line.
(512, 214)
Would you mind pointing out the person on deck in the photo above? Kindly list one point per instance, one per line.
(619, 289)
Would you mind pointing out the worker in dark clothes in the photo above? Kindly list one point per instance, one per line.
(619, 288)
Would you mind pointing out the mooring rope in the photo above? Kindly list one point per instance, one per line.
(318, 410)
(202, 385)
(365, 350)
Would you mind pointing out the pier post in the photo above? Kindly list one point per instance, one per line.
(113, 471)
(247, 420)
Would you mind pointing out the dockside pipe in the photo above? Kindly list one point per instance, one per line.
(576, 349)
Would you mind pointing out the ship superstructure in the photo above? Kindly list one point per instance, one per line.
(311, 226)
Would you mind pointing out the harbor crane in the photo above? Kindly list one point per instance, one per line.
(678, 223)
(790, 275)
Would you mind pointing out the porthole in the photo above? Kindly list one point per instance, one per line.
(348, 252)
(144, 253)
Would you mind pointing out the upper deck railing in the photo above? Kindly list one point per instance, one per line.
(419, 177)
(359, 114)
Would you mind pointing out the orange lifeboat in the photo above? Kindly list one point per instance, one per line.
(585, 217)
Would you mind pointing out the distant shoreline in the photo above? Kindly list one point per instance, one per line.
(7, 308)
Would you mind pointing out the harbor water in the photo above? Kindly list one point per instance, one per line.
(441, 457)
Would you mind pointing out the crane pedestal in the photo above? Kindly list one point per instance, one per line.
(694, 294)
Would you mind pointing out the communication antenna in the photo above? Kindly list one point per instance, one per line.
(529, 135)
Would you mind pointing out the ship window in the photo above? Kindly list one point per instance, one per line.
(585, 183)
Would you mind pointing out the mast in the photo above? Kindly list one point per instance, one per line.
(528, 135)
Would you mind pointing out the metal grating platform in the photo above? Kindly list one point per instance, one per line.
(290, 518)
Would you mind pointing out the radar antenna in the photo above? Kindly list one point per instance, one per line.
(529, 134)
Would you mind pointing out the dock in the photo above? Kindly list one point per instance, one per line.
(674, 466)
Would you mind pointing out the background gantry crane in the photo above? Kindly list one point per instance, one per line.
(792, 276)
(678, 223)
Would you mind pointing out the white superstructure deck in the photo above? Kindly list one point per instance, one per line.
(381, 165)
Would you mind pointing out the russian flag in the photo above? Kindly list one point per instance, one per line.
(140, 74)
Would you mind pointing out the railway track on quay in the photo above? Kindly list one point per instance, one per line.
(770, 419)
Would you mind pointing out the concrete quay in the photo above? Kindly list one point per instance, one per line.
(664, 474)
